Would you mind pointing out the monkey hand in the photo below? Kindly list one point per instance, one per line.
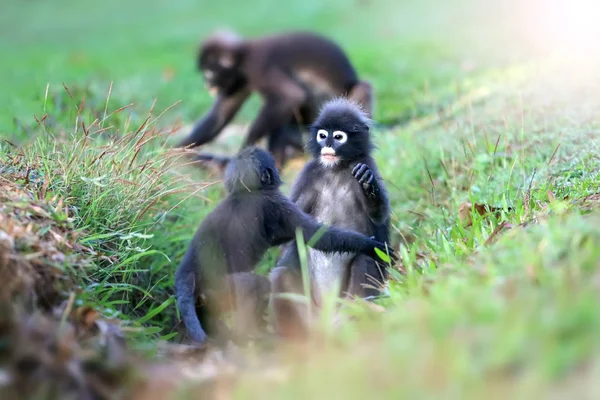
(385, 249)
(365, 177)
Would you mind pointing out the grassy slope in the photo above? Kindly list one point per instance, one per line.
(500, 311)
(511, 306)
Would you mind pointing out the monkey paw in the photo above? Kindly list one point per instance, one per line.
(363, 175)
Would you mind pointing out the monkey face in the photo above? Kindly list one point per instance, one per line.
(330, 143)
(220, 67)
(340, 134)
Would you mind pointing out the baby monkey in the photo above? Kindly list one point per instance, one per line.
(218, 266)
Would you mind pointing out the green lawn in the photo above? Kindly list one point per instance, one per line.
(505, 304)
(147, 49)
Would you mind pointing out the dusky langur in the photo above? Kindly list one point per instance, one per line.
(218, 266)
(294, 73)
(341, 187)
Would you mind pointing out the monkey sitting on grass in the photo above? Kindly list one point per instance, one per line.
(341, 186)
(218, 266)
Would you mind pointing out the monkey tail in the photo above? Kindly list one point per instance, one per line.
(185, 282)
(219, 161)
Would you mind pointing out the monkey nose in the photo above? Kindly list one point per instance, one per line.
(327, 151)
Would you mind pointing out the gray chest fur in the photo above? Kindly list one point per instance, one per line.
(339, 203)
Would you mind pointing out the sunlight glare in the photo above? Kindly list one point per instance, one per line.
(574, 24)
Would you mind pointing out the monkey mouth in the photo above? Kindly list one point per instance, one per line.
(213, 90)
(328, 156)
(329, 159)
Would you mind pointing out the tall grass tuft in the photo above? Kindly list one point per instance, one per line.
(121, 185)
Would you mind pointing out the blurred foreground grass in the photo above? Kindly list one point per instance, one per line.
(496, 304)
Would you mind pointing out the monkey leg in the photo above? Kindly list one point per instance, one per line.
(277, 145)
(210, 319)
(279, 141)
(244, 297)
(251, 293)
(365, 278)
(295, 139)
(290, 317)
(293, 134)
(219, 116)
(362, 93)
(282, 96)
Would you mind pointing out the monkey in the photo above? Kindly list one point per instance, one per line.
(219, 263)
(293, 72)
(341, 186)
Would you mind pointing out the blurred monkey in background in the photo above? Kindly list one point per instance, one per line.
(294, 73)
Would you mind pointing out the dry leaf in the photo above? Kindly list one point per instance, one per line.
(464, 211)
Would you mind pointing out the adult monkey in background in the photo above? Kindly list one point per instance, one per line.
(294, 73)
(219, 263)
(340, 187)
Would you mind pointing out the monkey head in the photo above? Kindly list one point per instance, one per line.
(252, 169)
(219, 60)
(340, 134)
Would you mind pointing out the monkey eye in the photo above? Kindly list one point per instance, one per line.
(208, 74)
(340, 136)
(322, 135)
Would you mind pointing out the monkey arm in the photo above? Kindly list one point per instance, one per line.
(306, 201)
(271, 116)
(330, 239)
(377, 201)
(378, 205)
(221, 113)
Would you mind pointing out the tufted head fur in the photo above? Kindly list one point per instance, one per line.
(251, 170)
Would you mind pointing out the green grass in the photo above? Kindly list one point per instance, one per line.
(147, 49)
(506, 304)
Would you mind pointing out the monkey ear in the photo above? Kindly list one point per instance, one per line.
(360, 127)
(270, 177)
(267, 177)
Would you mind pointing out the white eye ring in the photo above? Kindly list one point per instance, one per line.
(208, 74)
(322, 135)
(340, 137)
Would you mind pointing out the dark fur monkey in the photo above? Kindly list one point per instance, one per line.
(294, 73)
(341, 187)
(218, 266)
